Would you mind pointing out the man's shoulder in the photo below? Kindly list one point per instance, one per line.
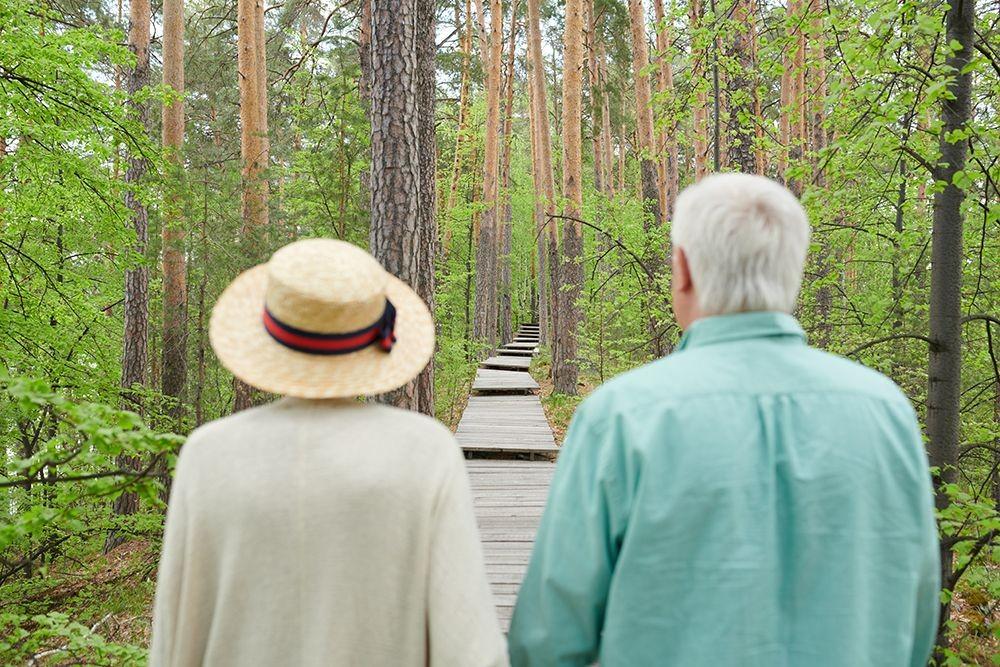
(840, 374)
(686, 376)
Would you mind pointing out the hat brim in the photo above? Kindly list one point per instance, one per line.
(243, 346)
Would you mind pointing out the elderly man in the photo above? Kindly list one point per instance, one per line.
(747, 500)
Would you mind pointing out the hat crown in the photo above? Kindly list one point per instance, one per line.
(325, 286)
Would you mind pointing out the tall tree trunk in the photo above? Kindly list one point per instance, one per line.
(398, 237)
(607, 141)
(251, 63)
(700, 111)
(741, 84)
(817, 85)
(651, 199)
(545, 183)
(540, 263)
(944, 372)
(668, 141)
(505, 314)
(174, 376)
(136, 303)
(465, 45)
(596, 95)
(644, 115)
(565, 366)
(423, 279)
(485, 323)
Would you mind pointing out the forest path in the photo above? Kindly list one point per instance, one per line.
(504, 419)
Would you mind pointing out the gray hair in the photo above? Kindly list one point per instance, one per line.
(745, 238)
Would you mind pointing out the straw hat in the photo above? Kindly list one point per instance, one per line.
(322, 319)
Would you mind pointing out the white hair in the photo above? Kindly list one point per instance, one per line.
(745, 238)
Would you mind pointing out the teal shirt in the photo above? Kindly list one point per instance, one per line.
(748, 500)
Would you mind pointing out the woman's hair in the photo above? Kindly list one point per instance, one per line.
(745, 238)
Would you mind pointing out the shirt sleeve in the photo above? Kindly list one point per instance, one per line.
(169, 579)
(560, 608)
(461, 618)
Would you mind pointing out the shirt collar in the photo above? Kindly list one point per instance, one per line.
(742, 326)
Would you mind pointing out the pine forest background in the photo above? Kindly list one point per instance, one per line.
(524, 163)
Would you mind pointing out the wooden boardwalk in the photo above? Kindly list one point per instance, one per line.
(503, 419)
(509, 497)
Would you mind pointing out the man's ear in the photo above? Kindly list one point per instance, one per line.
(682, 271)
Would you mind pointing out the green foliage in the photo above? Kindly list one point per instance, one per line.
(58, 487)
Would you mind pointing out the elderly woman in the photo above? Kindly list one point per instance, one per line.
(319, 530)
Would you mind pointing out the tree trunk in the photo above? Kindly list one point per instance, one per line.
(136, 302)
(607, 152)
(545, 184)
(700, 112)
(669, 148)
(398, 238)
(741, 152)
(423, 279)
(505, 314)
(644, 116)
(174, 376)
(597, 94)
(251, 63)
(485, 323)
(945, 357)
(540, 264)
(565, 366)
(465, 45)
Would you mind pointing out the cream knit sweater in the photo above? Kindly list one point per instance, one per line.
(323, 533)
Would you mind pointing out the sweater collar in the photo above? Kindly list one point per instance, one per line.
(742, 326)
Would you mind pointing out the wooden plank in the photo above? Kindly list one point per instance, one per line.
(515, 352)
(525, 346)
(493, 380)
(508, 363)
(507, 524)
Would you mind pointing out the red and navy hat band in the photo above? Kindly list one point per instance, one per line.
(381, 332)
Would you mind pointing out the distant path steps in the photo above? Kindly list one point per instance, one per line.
(504, 418)
(488, 379)
(509, 497)
(508, 363)
(515, 352)
(531, 347)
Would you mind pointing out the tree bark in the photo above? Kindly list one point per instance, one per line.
(565, 366)
(944, 372)
(174, 377)
(644, 116)
(251, 63)
(607, 141)
(398, 237)
(505, 309)
(700, 112)
(423, 279)
(485, 323)
(669, 147)
(465, 45)
(545, 183)
(597, 94)
(540, 263)
(741, 151)
(136, 301)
